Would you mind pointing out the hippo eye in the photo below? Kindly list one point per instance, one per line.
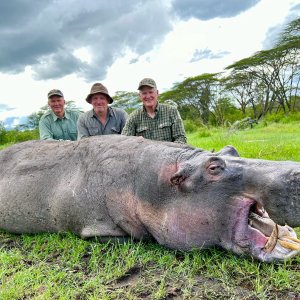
(215, 166)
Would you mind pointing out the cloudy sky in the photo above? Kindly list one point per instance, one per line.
(70, 44)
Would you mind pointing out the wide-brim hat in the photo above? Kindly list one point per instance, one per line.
(98, 88)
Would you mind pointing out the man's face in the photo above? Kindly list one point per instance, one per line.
(99, 102)
(57, 104)
(148, 96)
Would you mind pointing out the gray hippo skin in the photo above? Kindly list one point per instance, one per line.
(183, 197)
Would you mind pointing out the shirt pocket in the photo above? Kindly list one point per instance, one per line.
(164, 125)
(165, 131)
(115, 130)
(73, 134)
(141, 130)
(93, 131)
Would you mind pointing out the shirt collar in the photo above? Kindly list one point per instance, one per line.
(156, 108)
(55, 117)
(92, 113)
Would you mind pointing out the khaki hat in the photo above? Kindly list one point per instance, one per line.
(147, 81)
(56, 93)
(96, 89)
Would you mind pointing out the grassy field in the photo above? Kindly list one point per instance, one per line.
(62, 266)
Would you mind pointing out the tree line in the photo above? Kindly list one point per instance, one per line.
(265, 83)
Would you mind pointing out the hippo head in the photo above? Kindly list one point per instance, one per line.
(242, 205)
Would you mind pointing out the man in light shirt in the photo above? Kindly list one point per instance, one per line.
(58, 123)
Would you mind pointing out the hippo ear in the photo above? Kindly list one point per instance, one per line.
(228, 151)
(177, 178)
(181, 175)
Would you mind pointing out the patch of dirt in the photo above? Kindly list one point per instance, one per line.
(129, 278)
(10, 243)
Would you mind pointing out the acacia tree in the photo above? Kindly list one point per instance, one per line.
(239, 86)
(128, 101)
(275, 71)
(289, 45)
(197, 92)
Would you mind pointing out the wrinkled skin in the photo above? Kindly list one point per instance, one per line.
(117, 186)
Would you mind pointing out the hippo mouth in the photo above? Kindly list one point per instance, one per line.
(265, 239)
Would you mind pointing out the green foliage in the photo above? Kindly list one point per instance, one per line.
(224, 112)
(282, 117)
(15, 136)
(190, 126)
(197, 92)
(128, 101)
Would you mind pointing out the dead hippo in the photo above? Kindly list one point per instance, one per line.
(117, 186)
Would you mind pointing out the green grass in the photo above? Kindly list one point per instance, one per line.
(63, 266)
(276, 142)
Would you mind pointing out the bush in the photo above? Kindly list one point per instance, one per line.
(282, 117)
(15, 136)
(191, 126)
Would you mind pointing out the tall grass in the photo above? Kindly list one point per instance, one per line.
(276, 142)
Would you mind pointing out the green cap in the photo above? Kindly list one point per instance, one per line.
(56, 93)
(148, 82)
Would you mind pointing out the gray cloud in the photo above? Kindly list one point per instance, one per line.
(207, 54)
(208, 9)
(11, 122)
(45, 34)
(5, 107)
(275, 31)
(134, 60)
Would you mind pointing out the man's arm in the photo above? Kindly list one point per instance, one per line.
(178, 132)
(124, 117)
(129, 128)
(45, 131)
(81, 128)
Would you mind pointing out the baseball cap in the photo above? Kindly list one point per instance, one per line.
(148, 82)
(56, 93)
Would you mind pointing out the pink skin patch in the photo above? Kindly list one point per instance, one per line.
(181, 226)
(241, 234)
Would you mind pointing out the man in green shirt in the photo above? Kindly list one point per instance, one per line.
(58, 123)
(154, 121)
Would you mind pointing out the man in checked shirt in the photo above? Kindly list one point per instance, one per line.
(154, 121)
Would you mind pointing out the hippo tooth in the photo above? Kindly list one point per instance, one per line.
(272, 240)
(292, 239)
(289, 245)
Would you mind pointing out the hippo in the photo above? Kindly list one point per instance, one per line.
(183, 197)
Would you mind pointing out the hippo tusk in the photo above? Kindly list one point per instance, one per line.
(289, 245)
(292, 239)
(285, 241)
(272, 240)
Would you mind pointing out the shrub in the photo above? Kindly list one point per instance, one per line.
(15, 136)
(191, 126)
(282, 117)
